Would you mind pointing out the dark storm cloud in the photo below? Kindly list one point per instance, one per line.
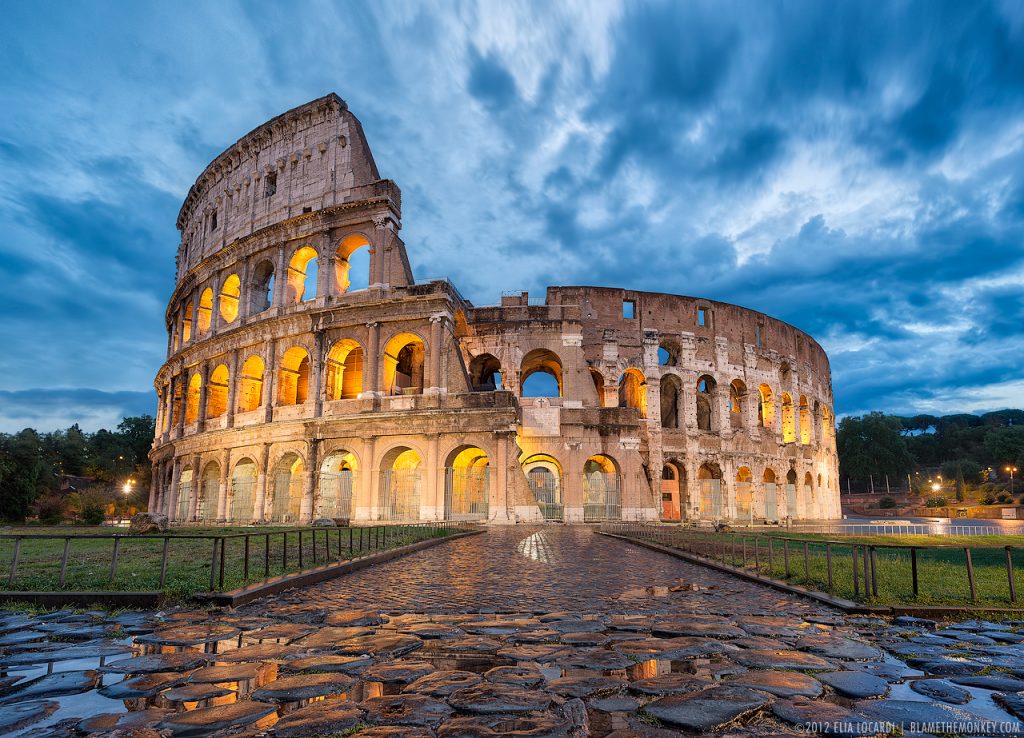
(856, 169)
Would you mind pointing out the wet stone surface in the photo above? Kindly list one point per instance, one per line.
(532, 632)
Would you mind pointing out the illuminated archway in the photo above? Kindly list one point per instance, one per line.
(302, 275)
(293, 377)
(673, 491)
(195, 389)
(286, 495)
(261, 287)
(205, 311)
(352, 263)
(230, 293)
(186, 324)
(403, 364)
(633, 391)
(788, 419)
(466, 484)
(710, 477)
(250, 385)
(544, 475)
(337, 482)
(185, 490)
(217, 392)
(485, 373)
(805, 421)
(771, 504)
(766, 410)
(706, 403)
(344, 370)
(540, 374)
(209, 492)
(744, 494)
(602, 494)
(243, 491)
(400, 482)
(792, 503)
(598, 379)
(737, 396)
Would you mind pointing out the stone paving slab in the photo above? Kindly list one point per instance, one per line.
(548, 631)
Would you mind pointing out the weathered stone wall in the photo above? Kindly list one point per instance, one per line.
(289, 398)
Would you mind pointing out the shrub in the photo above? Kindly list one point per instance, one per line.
(1004, 498)
(887, 503)
(935, 502)
(92, 513)
(51, 509)
(988, 499)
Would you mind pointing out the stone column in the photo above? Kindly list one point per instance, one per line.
(280, 279)
(204, 391)
(259, 513)
(171, 509)
(309, 483)
(269, 380)
(195, 315)
(222, 490)
(317, 370)
(371, 374)
(153, 483)
(434, 507)
(232, 388)
(197, 486)
(215, 307)
(325, 278)
(499, 504)
(435, 382)
(365, 504)
(183, 403)
(378, 270)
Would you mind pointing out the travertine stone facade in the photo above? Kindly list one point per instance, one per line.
(309, 376)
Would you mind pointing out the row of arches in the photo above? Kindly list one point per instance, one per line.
(602, 487)
(228, 301)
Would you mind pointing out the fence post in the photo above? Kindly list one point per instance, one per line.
(874, 572)
(757, 563)
(64, 561)
(284, 553)
(223, 541)
(785, 554)
(213, 565)
(300, 549)
(114, 557)
(14, 560)
(913, 568)
(771, 564)
(865, 554)
(744, 539)
(245, 566)
(266, 556)
(163, 561)
(853, 554)
(1009, 574)
(828, 563)
(351, 533)
(970, 574)
(314, 545)
(807, 563)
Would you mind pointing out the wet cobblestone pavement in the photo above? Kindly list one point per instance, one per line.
(518, 632)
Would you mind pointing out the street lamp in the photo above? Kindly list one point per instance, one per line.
(1011, 469)
(127, 488)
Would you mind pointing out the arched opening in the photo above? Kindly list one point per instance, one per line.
(791, 500)
(673, 491)
(633, 391)
(337, 481)
(705, 403)
(250, 385)
(217, 392)
(808, 495)
(261, 291)
(205, 311)
(230, 293)
(805, 421)
(243, 492)
(195, 390)
(466, 484)
(209, 492)
(744, 494)
(766, 410)
(400, 485)
(598, 380)
(286, 497)
(403, 365)
(771, 504)
(186, 324)
(344, 371)
(668, 354)
(352, 264)
(293, 377)
(544, 475)
(788, 419)
(710, 477)
(302, 275)
(184, 500)
(828, 428)
(540, 374)
(671, 388)
(602, 495)
(485, 373)
(737, 396)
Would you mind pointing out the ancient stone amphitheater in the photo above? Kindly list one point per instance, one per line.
(310, 376)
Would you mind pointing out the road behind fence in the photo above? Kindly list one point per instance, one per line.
(872, 573)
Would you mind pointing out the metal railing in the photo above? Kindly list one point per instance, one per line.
(939, 574)
(906, 529)
(183, 563)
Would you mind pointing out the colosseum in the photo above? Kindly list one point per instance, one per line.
(310, 376)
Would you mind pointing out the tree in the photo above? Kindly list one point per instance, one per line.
(872, 445)
(23, 473)
(1006, 445)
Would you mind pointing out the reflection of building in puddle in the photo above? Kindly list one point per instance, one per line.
(535, 546)
(648, 669)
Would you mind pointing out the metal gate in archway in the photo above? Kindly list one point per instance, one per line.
(466, 494)
(791, 501)
(287, 505)
(335, 498)
(242, 499)
(546, 490)
(771, 507)
(206, 508)
(601, 497)
(399, 495)
(711, 499)
(184, 493)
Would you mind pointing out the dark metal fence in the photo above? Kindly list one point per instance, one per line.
(183, 563)
(865, 572)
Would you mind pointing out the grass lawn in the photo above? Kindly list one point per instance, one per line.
(189, 556)
(941, 568)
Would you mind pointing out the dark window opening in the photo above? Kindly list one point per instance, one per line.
(307, 210)
(213, 220)
(702, 317)
(270, 185)
(757, 333)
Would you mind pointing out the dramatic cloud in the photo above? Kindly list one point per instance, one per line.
(854, 169)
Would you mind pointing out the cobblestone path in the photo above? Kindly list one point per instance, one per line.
(548, 632)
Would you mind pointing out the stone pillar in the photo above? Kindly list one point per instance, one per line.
(371, 373)
(222, 489)
(435, 382)
(269, 380)
(317, 370)
(326, 283)
(204, 391)
(154, 481)
(572, 484)
(197, 486)
(378, 269)
(215, 307)
(171, 509)
(232, 387)
(365, 505)
(433, 509)
(499, 504)
(309, 483)
(259, 512)
(184, 403)
(195, 315)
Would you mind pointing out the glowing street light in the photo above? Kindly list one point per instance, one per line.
(127, 488)
(1011, 470)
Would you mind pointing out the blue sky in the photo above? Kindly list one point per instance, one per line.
(856, 169)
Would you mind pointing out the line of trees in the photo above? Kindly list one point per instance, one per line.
(961, 447)
(35, 466)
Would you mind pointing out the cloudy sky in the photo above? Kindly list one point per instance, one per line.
(856, 169)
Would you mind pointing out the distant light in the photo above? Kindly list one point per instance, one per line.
(935, 487)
